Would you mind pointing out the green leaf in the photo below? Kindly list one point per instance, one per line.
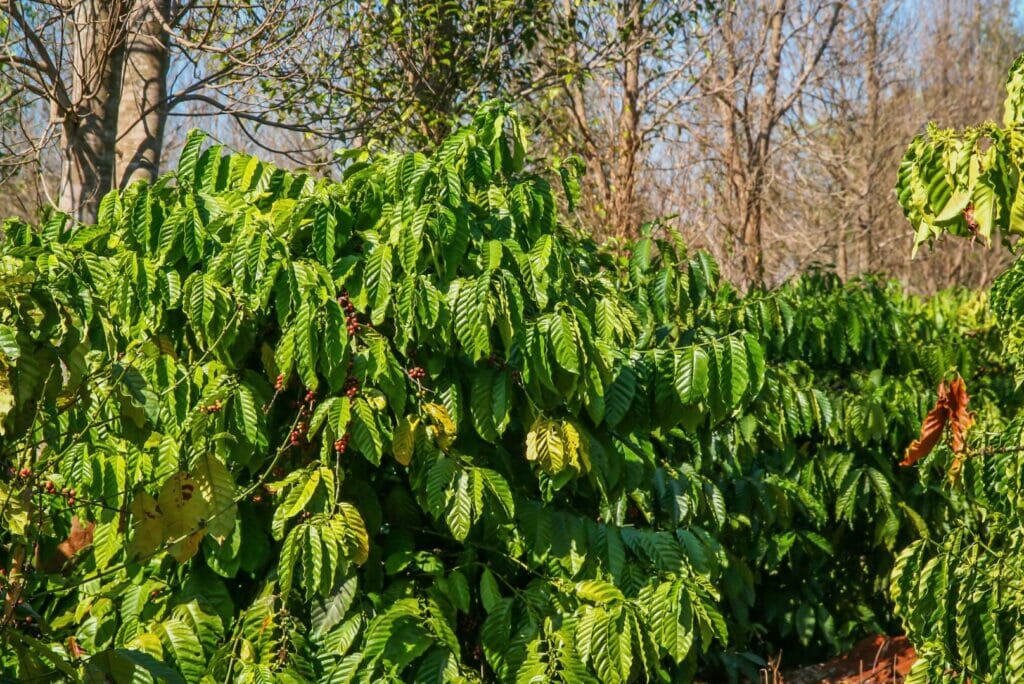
(189, 157)
(469, 299)
(365, 434)
(379, 281)
(182, 643)
(460, 506)
(247, 413)
(596, 591)
(490, 594)
(691, 374)
(563, 341)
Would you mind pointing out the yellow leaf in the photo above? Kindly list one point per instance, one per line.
(6, 399)
(531, 440)
(571, 440)
(444, 431)
(147, 526)
(184, 549)
(404, 442)
(14, 512)
(376, 399)
(544, 444)
(439, 414)
(184, 513)
(575, 446)
(147, 642)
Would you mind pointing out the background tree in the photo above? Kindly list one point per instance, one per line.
(770, 58)
(94, 80)
(628, 83)
(411, 68)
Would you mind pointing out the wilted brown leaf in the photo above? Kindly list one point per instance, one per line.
(950, 407)
(960, 418)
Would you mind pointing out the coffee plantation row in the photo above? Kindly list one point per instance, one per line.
(412, 426)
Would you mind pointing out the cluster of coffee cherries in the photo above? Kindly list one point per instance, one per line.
(279, 383)
(155, 593)
(69, 494)
(309, 399)
(351, 319)
(417, 373)
(351, 387)
(341, 444)
(215, 407)
(298, 435)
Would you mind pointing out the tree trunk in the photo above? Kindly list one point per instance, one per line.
(625, 214)
(842, 263)
(869, 210)
(90, 124)
(759, 159)
(753, 220)
(143, 108)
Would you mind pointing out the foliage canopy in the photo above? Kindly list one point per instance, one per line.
(408, 426)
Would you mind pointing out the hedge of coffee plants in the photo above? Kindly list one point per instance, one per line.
(959, 593)
(410, 425)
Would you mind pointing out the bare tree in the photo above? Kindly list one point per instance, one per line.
(751, 95)
(92, 79)
(630, 64)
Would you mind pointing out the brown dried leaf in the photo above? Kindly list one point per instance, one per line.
(960, 418)
(950, 407)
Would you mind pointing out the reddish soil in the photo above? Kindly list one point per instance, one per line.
(875, 660)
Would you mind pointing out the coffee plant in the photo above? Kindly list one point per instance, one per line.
(410, 426)
(959, 593)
